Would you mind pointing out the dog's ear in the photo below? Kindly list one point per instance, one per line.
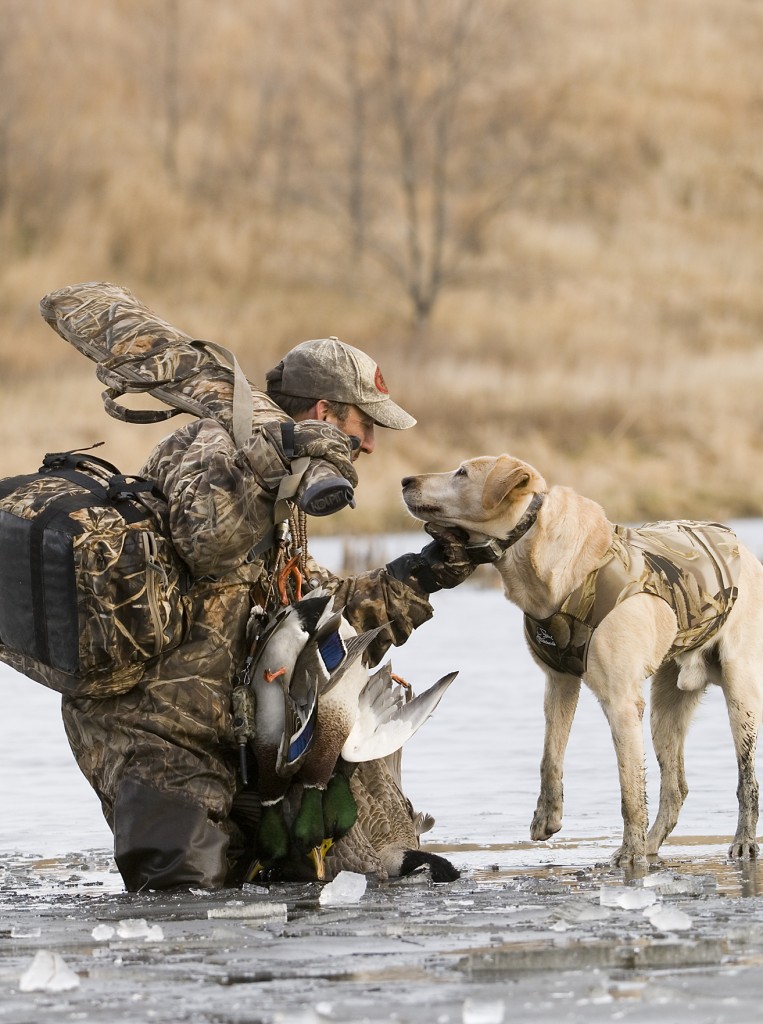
(506, 475)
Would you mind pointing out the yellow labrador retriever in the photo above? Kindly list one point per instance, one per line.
(679, 601)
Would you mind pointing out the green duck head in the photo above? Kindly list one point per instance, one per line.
(340, 812)
(308, 831)
(272, 835)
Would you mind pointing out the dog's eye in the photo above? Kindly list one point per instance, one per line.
(460, 472)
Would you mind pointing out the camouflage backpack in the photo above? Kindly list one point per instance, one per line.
(90, 588)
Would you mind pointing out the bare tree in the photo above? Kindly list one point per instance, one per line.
(171, 90)
(428, 145)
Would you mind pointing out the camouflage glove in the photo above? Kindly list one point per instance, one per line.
(440, 565)
(325, 484)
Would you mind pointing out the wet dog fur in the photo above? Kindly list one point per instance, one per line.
(487, 497)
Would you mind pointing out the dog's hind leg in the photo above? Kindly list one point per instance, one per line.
(744, 702)
(670, 715)
(740, 659)
(559, 705)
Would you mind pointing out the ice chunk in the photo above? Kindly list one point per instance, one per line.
(250, 911)
(132, 928)
(626, 897)
(483, 1011)
(20, 931)
(580, 912)
(667, 883)
(48, 973)
(102, 932)
(305, 1015)
(668, 919)
(139, 928)
(347, 887)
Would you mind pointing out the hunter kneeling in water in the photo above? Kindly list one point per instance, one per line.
(199, 788)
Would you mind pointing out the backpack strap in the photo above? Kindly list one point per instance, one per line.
(122, 377)
(62, 505)
(123, 492)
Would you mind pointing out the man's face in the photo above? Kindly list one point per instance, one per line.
(358, 424)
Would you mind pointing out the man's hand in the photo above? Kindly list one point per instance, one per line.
(441, 565)
(447, 557)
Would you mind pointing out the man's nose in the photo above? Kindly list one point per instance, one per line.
(368, 441)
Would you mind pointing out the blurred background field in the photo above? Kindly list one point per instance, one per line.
(544, 219)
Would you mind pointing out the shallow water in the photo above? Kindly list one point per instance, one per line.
(547, 932)
(474, 765)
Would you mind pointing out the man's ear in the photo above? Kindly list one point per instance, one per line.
(321, 410)
(506, 475)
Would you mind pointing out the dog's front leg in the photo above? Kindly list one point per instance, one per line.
(625, 717)
(559, 705)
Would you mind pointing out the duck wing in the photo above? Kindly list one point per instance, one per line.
(355, 646)
(284, 700)
(322, 651)
(385, 721)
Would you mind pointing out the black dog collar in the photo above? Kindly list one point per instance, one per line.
(491, 549)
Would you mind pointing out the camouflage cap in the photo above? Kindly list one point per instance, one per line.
(328, 368)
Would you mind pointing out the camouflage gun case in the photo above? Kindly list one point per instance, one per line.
(90, 589)
(137, 351)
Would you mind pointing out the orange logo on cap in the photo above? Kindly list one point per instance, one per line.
(379, 382)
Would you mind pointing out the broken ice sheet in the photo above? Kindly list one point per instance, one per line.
(48, 973)
(581, 912)
(667, 919)
(256, 911)
(347, 888)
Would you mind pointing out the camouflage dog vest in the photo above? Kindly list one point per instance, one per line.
(694, 567)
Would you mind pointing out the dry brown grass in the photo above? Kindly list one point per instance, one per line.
(606, 326)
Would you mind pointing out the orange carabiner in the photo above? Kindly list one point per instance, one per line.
(404, 685)
(290, 569)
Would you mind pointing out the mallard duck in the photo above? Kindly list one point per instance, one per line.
(358, 718)
(315, 702)
(385, 839)
(301, 651)
(279, 715)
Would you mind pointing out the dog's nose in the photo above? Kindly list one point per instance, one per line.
(406, 480)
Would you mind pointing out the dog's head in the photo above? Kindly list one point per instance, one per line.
(485, 496)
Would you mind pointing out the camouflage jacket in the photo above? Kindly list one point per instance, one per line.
(220, 509)
(174, 727)
(694, 567)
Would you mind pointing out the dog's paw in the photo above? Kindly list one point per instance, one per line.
(628, 859)
(544, 825)
(743, 849)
